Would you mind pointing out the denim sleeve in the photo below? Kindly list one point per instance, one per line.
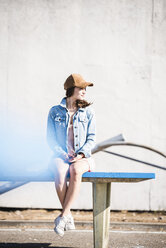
(91, 137)
(51, 136)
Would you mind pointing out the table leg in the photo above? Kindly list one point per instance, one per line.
(101, 214)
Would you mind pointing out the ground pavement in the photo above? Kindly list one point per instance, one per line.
(19, 231)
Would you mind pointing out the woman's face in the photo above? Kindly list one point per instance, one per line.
(79, 93)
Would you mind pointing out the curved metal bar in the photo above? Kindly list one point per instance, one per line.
(119, 141)
(107, 143)
(136, 160)
(139, 145)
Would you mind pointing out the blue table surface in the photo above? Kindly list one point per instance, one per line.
(119, 175)
(47, 176)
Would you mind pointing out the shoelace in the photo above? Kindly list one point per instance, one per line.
(70, 220)
(61, 224)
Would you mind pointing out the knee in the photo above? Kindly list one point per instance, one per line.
(75, 173)
(61, 176)
(60, 183)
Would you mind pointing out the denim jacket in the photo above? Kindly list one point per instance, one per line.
(84, 129)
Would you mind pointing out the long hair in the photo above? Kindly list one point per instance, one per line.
(79, 103)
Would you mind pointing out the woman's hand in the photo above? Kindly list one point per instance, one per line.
(71, 158)
(78, 157)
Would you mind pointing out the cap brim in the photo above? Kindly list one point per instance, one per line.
(86, 84)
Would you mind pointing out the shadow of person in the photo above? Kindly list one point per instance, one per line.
(30, 245)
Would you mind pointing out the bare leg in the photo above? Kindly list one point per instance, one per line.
(76, 171)
(60, 170)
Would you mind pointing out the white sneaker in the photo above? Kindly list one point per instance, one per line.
(70, 223)
(60, 224)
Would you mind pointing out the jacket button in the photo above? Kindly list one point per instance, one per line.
(76, 144)
(75, 127)
(76, 136)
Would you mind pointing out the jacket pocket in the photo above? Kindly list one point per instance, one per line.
(59, 118)
(83, 118)
(60, 121)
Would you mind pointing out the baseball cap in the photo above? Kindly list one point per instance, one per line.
(76, 80)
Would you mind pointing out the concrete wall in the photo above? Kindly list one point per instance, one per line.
(120, 46)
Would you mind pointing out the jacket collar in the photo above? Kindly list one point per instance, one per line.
(63, 105)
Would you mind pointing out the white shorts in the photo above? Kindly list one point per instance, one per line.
(89, 160)
(91, 163)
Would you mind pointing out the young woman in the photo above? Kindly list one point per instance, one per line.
(71, 136)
